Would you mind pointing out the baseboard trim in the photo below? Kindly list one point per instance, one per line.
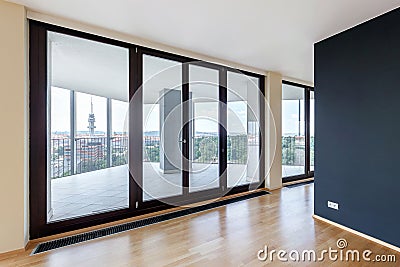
(299, 181)
(8, 254)
(271, 189)
(373, 239)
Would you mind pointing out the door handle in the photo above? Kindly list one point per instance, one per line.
(182, 141)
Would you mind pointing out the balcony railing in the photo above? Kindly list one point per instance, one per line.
(87, 154)
(205, 149)
(293, 150)
(94, 153)
(60, 158)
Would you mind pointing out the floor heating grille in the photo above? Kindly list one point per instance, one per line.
(75, 239)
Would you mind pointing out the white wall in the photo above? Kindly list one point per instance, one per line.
(13, 119)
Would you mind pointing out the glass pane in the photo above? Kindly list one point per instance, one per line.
(85, 77)
(162, 120)
(203, 136)
(312, 126)
(60, 146)
(243, 147)
(119, 132)
(91, 133)
(293, 131)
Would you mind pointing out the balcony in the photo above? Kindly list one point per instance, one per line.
(91, 175)
(293, 155)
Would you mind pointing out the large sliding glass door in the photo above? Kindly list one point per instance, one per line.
(181, 130)
(119, 130)
(162, 124)
(297, 131)
(203, 128)
(87, 131)
(293, 131)
(243, 127)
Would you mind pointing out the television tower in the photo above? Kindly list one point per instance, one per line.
(91, 120)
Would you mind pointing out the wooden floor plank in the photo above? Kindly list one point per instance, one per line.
(226, 236)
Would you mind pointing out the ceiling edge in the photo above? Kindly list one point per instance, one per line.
(76, 25)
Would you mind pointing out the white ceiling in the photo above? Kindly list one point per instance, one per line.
(275, 35)
(89, 67)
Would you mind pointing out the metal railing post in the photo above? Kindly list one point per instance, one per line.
(109, 122)
(72, 133)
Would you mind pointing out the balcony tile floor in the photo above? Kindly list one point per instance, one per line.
(288, 171)
(107, 189)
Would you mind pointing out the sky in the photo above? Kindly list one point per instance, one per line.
(205, 113)
(60, 105)
(290, 117)
(60, 111)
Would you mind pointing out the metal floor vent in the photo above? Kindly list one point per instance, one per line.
(299, 184)
(67, 241)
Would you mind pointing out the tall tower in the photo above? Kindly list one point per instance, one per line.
(91, 119)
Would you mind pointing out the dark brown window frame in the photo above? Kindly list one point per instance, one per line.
(307, 172)
(39, 227)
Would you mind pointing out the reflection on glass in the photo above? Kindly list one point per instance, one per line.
(243, 145)
(293, 135)
(203, 136)
(84, 175)
(119, 132)
(162, 120)
(312, 126)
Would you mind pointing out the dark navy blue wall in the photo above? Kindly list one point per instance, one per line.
(357, 127)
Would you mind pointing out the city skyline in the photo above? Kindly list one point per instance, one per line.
(60, 112)
(237, 115)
